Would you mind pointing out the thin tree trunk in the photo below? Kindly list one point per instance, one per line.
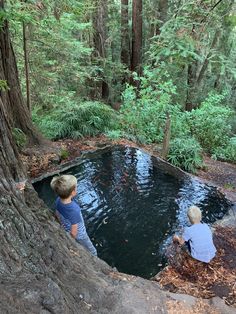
(100, 37)
(162, 10)
(125, 41)
(26, 57)
(166, 141)
(12, 98)
(137, 24)
(206, 61)
(191, 78)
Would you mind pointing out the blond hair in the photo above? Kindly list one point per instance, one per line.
(64, 185)
(194, 214)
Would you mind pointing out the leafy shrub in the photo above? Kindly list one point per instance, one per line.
(186, 154)
(227, 152)
(143, 113)
(19, 137)
(75, 120)
(210, 124)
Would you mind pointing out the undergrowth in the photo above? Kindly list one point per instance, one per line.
(75, 120)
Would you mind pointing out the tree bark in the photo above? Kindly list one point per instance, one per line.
(125, 41)
(18, 113)
(191, 78)
(206, 61)
(162, 10)
(137, 23)
(166, 141)
(26, 57)
(100, 37)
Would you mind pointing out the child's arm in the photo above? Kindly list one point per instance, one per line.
(74, 230)
(178, 239)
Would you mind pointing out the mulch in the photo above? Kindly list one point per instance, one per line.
(189, 276)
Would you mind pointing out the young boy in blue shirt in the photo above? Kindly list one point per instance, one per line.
(68, 210)
(198, 237)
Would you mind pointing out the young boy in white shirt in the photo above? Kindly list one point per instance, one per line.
(198, 237)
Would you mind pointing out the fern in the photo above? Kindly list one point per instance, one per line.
(75, 120)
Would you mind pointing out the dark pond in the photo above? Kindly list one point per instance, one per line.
(132, 208)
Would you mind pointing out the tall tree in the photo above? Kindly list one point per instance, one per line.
(100, 38)
(137, 26)
(18, 113)
(26, 57)
(125, 40)
(197, 70)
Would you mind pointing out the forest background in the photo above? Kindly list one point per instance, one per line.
(126, 68)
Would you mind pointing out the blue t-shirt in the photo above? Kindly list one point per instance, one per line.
(201, 242)
(70, 214)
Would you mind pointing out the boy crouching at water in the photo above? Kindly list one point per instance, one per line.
(198, 237)
(68, 211)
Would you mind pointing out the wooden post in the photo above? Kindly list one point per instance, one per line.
(166, 141)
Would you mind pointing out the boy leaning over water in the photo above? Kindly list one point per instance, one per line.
(198, 237)
(68, 210)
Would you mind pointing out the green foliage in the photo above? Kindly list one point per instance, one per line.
(226, 152)
(3, 85)
(210, 123)
(186, 154)
(143, 113)
(75, 120)
(65, 65)
(19, 137)
(114, 134)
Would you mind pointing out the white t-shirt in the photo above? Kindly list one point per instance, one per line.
(201, 242)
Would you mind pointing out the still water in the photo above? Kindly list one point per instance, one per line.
(132, 208)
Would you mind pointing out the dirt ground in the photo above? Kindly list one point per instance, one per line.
(183, 275)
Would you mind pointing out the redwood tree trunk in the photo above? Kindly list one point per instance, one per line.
(100, 37)
(18, 113)
(136, 57)
(41, 269)
(125, 41)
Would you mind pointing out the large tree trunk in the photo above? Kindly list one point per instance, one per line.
(18, 113)
(125, 41)
(42, 270)
(136, 57)
(100, 37)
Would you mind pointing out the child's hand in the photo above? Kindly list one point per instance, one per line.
(20, 185)
(176, 239)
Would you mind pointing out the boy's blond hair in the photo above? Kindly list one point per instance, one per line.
(64, 185)
(194, 214)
